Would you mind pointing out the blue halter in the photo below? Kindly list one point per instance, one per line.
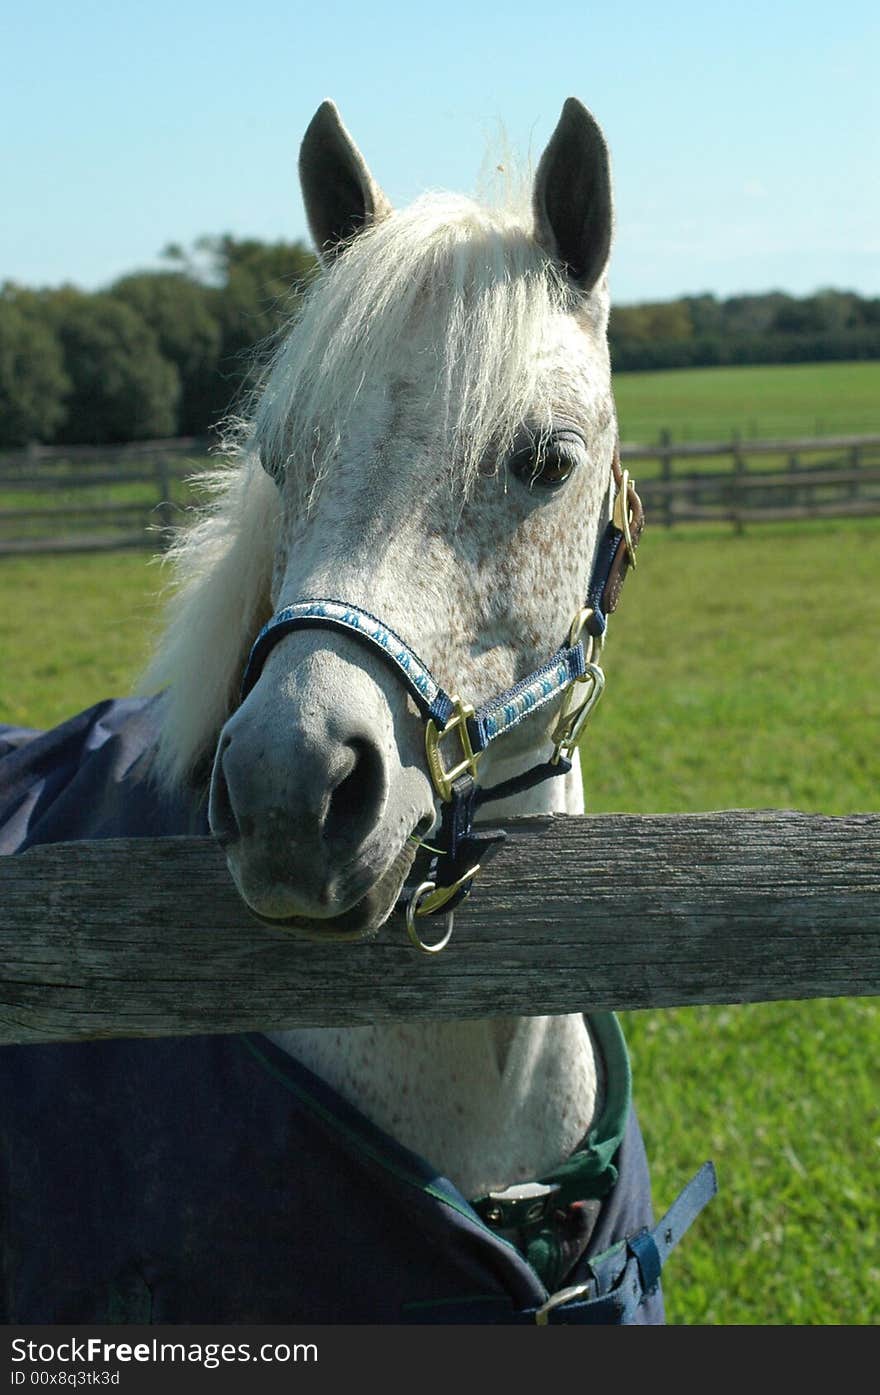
(484, 724)
(454, 859)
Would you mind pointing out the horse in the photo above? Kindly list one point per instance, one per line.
(424, 500)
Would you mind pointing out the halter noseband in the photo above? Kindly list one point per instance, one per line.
(447, 867)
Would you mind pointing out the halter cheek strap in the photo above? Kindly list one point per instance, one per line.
(447, 868)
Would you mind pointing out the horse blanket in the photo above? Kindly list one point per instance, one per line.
(215, 1179)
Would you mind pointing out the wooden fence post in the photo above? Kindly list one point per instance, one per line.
(666, 476)
(737, 481)
(855, 461)
(794, 495)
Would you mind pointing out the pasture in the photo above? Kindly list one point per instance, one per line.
(756, 401)
(742, 672)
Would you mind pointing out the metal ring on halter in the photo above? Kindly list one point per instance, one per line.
(411, 912)
(621, 518)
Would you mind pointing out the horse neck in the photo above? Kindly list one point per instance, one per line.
(488, 1102)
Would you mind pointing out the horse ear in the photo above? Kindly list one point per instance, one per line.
(572, 196)
(340, 194)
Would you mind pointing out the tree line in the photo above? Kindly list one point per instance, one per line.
(170, 352)
(701, 330)
(156, 354)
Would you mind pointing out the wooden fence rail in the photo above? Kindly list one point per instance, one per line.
(147, 937)
(99, 509)
(845, 485)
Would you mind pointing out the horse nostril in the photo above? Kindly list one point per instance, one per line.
(424, 826)
(357, 800)
(221, 815)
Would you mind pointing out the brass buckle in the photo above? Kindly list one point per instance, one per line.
(565, 1295)
(427, 898)
(576, 629)
(443, 778)
(571, 723)
(621, 516)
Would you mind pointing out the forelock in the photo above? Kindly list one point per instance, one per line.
(465, 294)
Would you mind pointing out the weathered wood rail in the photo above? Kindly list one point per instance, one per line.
(148, 937)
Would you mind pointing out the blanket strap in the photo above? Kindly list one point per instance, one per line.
(618, 1281)
(624, 1276)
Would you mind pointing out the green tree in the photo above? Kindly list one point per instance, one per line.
(182, 313)
(752, 314)
(706, 314)
(798, 317)
(651, 322)
(122, 387)
(258, 290)
(33, 383)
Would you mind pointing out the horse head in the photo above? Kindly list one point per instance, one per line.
(436, 435)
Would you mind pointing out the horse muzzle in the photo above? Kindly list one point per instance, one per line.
(310, 797)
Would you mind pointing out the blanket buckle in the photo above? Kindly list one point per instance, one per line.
(556, 1300)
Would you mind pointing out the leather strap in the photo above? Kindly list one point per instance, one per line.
(627, 1274)
(623, 560)
(461, 846)
(615, 557)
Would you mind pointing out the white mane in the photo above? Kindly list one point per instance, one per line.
(478, 296)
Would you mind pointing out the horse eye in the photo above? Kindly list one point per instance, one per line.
(549, 462)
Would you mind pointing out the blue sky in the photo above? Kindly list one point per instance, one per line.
(744, 136)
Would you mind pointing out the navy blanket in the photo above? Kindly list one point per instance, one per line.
(89, 778)
(215, 1179)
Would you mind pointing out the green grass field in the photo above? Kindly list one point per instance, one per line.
(778, 400)
(72, 630)
(743, 672)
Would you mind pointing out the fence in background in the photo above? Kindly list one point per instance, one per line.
(92, 498)
(743, 482)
